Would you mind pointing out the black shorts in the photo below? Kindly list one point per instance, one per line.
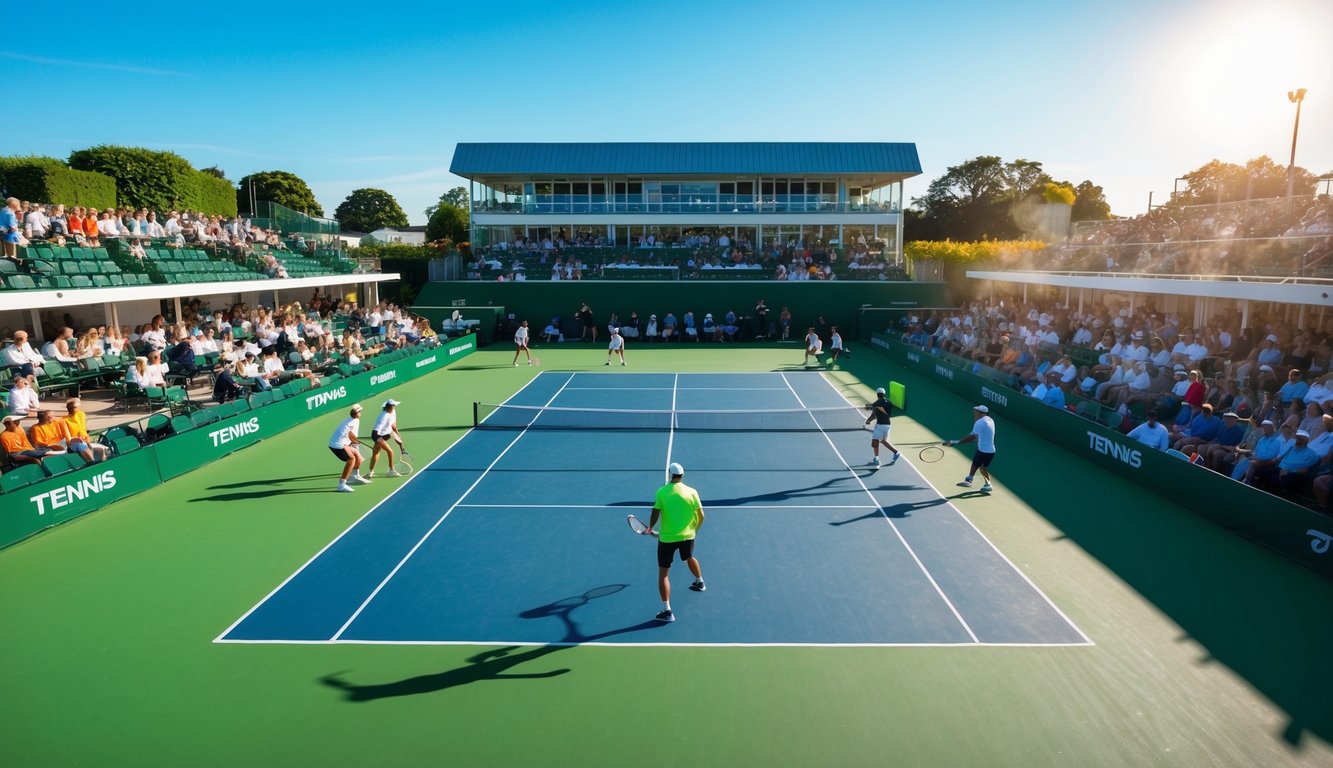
(341, 453)
(375, 437)
(666, 549)
(981, 459)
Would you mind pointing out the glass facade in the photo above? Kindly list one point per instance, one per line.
(630, 195)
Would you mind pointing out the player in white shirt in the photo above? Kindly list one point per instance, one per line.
(835, 345)
(983, 433)
(521, 341)
(386, 426)
(343, 445)
(617, 346)
(813, 346)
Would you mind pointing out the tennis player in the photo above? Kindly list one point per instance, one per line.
(881, 412)
(813, 346)
(617, 346)
(521, 341)
(983, 433)
(682, 514)
(343, 444)
(835, 346)
(386, 426)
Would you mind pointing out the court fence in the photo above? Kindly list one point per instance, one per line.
(36, 507)
(1289, 529)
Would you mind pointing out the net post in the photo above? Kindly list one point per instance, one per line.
(475, 408)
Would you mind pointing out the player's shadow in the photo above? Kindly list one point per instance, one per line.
(893, 511)
(251, 483)
(262, 494)
(497, 663)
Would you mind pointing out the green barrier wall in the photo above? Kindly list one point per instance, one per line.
(539, 301)
(1287, 528)
(56, 500)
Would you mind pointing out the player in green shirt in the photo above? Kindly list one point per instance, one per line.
(682, 514)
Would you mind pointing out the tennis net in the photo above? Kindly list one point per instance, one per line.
(500, 416)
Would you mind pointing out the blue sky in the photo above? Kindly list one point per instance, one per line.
(1128, 94)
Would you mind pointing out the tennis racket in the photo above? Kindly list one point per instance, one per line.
(931, 454)
(636, 525)
(404, 463)
(536, 361)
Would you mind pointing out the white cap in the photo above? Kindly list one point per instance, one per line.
(388, 403)
(1271, 337)
(676, 470)
(1303, 433)
(615, 330)
(980, 409)
(10, 418)
(879, 391)
(1266, 367)
(1266, 423)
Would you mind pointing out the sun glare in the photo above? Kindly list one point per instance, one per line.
(1225, 76)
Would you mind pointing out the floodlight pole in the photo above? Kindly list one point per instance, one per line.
(1296, 97)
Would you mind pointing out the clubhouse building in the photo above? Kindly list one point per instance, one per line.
(626, 195)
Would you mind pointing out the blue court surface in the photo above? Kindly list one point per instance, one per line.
(517, 533)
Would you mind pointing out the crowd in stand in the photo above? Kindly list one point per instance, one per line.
(759, 323)
(241, 349)
(79, 225)
(1254, 402)
(1291, 235)
(693, 255)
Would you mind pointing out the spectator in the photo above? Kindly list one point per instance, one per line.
(15, 443)
(22, 358)
(1293, 471)
(1294, 389)
(76, 435)
(1151, 433)
(47, 434)
(23, 401)
(11, 231)
(58, 347)
(225, 388)
(1203, 427)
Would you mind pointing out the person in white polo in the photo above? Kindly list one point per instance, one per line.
(343, 445)
(386, 427)
(617, 346)
(983, 433)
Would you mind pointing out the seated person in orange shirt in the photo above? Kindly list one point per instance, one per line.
(16, 446)
(47, 434)
(76, 433)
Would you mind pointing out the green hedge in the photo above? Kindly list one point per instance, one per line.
(48, 180)
(209, 194)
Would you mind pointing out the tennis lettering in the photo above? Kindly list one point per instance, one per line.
(460, 348)
(227, 434)
(1108, 447)
(426, 361)
(945, 372)
(380, 378)
(59, 497)
(877, 341)
(914, 357)
(994, 397)
(320, 399)
(1318, 541)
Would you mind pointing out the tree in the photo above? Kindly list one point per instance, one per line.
(457, 197)
(144, 178)
(214, 171)
(366, 210)
(1220, 182)
(969, 202)
(279, 187)
(1089, 203)
(448, 221)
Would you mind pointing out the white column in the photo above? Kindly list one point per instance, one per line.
(177, 304)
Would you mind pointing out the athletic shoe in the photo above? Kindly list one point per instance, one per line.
(874, 461)
(345, 488)
(359, 479)
(516, 364)
(393, 473)
(666, 616)
(370, 475)
(965, 484)
(698, 586)
(608, 362)
(986, 488)
(894, 460)
(623, 364)
(529, 362)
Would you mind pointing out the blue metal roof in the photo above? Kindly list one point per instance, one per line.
(682, 158)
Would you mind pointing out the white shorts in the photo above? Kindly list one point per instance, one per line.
(881, 432)
(615, 345)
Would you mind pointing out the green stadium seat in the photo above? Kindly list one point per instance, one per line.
(181, 424)
(101, 281)
(21, 477)
(81, 281)
(126, 444)
(62, 463)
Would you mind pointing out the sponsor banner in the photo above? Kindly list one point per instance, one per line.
(67, 496)
(1293, 530)
(29, 510)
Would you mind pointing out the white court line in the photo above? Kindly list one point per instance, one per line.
(602, 644)
(349, 528)
(622, 506)
(671, 431)
(887, 519)
(673, 389)
(983, 536)
(454, 506)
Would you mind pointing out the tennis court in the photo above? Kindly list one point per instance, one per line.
(516, 534)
